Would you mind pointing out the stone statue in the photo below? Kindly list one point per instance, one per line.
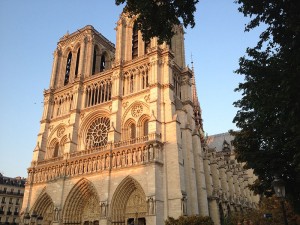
(114, 160)
(94, 164)
(56, 214)
(133, 156)
(118, 159)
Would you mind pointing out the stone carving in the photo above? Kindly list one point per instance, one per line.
(103, 207)
(94, 164)
(56, 214)
(136, 203)
(151, 205)
(60, 132)
(91, 210)
(183, 205)
(100, 162)
(137, 110)
(125, 104)
(147, 98)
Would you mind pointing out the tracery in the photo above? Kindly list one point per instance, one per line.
(97, 133)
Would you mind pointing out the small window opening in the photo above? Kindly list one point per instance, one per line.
(94, 61)
(102, 63)
(77, 62)
(146, 127)
(56, 148)
(68, 68)
(132, 131)
(135, 41)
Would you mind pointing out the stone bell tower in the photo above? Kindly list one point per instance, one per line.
(119, 141)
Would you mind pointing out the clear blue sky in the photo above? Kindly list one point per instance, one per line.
(31, 29)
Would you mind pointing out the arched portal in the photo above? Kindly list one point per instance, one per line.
(82, 204)
(129, 203)
(44, 207)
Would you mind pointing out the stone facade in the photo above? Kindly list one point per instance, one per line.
(11, 197)
(121, 137)
(226, 180)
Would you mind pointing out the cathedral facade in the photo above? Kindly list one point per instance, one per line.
(121, 138)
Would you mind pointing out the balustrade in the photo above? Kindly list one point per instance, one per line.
(97, 160)
(98, 92)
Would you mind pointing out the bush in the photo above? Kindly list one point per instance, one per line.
(189, 220)
(270, 205)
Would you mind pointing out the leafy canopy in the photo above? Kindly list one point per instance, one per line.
(271, 206)
(189, 220)
(156, 18)
(268, 118)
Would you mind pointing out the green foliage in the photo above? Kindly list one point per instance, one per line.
(156, 18)
(189, 220)
(269, 205)
(269, 112)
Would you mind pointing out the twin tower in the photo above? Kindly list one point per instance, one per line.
(120, 135)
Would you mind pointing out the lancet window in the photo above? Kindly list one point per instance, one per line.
(176, 83)
(132, 131)
(98, 93)
(102, 63)
(77, 62)
(94, 60)
(135, 41)
(56, 150)
(68, 68)
(145, 127)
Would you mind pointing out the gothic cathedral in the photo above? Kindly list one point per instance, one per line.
(121, 137)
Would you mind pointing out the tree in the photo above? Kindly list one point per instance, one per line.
(268, 118)
(189, 220)
(268, 212)
(156, 18)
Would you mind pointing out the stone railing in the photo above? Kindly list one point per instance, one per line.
(89, 151)
(92, 161)
(149, 137)
(47, 161)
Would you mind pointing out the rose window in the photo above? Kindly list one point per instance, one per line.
(97, 133)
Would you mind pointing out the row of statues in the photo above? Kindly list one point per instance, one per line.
(104, 161)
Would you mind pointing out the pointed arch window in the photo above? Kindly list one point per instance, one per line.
(77, 62)
(68, 68)
(102, 63)
(132, 131)
(135, 41)
(56, 150)
(146, 123)
(94, 61)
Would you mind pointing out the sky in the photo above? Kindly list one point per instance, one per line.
(31, 29)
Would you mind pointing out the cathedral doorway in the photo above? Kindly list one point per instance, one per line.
(82, 205)
(96, 222)
(44, 207)
(136, 221)
(129, 206)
